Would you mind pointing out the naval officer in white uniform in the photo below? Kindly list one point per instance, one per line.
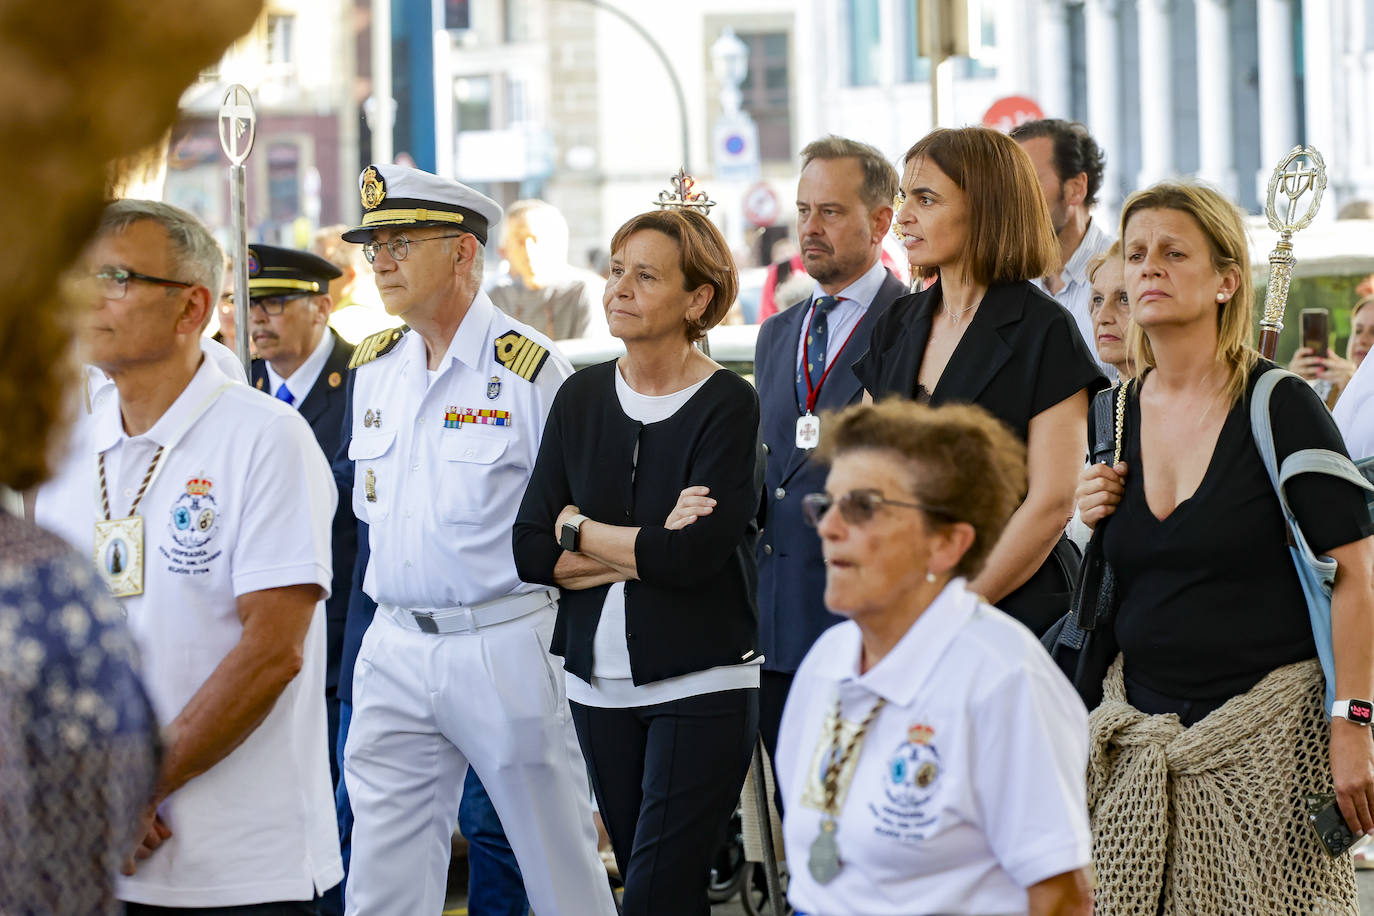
(446, 420)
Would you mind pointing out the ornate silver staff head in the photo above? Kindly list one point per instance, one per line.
(1301, 173)
(682, 197)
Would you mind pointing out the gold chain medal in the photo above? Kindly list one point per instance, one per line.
(824, 862)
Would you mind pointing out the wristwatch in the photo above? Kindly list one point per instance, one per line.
(568, 540)
(1361, 712)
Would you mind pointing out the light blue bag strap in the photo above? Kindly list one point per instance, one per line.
(1316, 574)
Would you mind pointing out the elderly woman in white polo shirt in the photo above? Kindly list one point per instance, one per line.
(931, 755)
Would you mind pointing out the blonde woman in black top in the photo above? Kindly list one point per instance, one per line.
(1212, 622)
(641, 509)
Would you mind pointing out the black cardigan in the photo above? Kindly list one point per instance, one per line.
(693, 606)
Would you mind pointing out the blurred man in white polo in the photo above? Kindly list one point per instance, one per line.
(206, 505)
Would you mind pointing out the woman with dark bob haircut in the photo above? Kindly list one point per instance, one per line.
(931, 756)
(641, 509)
(973, 216)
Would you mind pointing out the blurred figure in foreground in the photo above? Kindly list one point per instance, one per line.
(931, 756)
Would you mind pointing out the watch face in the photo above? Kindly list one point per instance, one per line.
(1361, 712)
(567, 538)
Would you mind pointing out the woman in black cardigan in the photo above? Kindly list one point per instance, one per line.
(641, 509)
(973, 214)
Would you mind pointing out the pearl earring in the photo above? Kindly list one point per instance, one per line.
(930, 576)
(1221, 297)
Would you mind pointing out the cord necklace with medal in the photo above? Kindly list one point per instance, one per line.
(808, 424)
(824, 862)
(119, 541)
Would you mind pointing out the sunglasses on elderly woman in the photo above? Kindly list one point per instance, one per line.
(856, 506)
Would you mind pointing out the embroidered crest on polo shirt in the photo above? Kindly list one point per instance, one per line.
(521, 355)
(912, 781)
(193, 524)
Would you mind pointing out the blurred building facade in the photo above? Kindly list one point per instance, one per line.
(299, 62)
(577, 101)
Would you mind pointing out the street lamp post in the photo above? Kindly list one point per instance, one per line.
(667, 65)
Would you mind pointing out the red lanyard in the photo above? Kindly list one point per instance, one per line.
(813, 393)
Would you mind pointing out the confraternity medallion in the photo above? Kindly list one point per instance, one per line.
(119, 555)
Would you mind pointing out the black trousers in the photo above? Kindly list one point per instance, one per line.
(284, 908)
(667, 778)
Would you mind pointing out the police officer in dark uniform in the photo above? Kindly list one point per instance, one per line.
(303, 362)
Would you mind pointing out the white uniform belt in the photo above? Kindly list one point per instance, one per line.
(471, 618)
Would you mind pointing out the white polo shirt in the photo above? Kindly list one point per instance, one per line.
(967, 789)
(243, 502)
(440, 494)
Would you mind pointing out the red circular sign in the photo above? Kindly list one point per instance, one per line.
(1011, 111)
(761, 205)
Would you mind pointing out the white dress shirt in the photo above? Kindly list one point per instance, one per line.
(441, 493)
(243, 502)
(968, 787)
(306, 374)
(1076, 292)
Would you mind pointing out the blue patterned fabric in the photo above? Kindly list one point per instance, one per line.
(77, 734)
(816, 341)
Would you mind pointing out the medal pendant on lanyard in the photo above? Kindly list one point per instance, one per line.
(118, 546)
(808, 424)
(119, 541)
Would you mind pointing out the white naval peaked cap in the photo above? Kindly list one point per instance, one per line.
(394, 195)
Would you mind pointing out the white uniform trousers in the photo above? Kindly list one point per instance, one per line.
(424, 707)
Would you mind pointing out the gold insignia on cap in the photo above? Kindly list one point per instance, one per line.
(379, 344)
(521, 355)
(373, 189)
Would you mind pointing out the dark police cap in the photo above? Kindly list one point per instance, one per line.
(274, 271)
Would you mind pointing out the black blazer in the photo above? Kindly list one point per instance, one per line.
(1021, 354)
(323, 409)
(692, 607)
(792, 612)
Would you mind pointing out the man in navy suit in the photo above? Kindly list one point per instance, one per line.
(802, 367)
(303, 362)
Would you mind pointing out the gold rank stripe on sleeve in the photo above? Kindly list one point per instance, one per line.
(520, 355)
(379, 344)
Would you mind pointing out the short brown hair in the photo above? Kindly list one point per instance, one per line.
(880, 178)
(703, 258)
(1223, 227)
(1010, 235)
(963, 461)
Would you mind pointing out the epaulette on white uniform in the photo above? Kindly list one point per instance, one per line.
(375, 345)
(521, 355)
